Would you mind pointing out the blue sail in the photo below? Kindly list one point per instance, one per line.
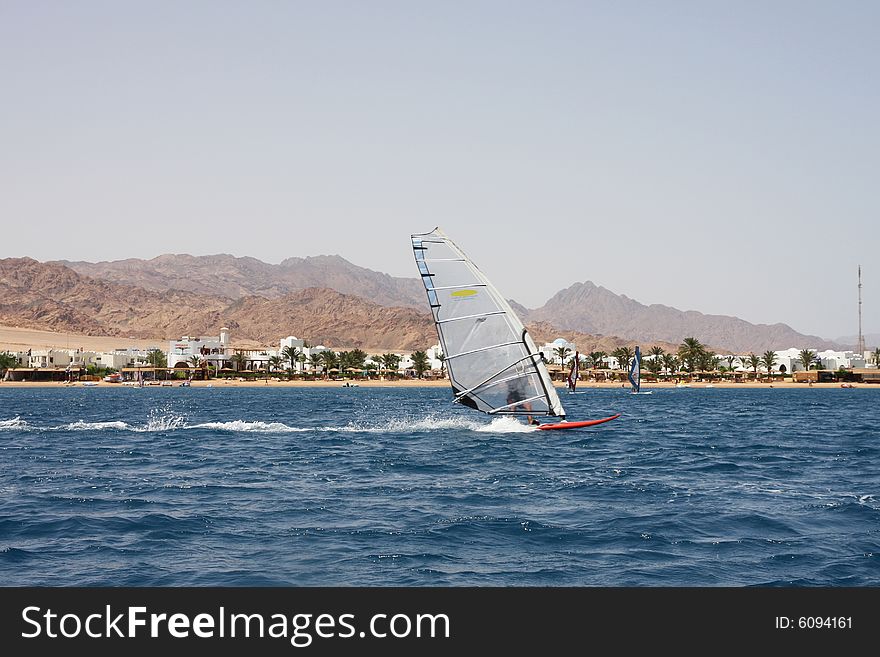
(635, 372)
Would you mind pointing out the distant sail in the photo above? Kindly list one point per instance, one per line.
(635, 372)
(492, 361)
(573, 374)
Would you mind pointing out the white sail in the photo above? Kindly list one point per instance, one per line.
(492, 361)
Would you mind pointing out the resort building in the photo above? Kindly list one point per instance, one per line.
(119, 358)
(550, 354)
(211, 350)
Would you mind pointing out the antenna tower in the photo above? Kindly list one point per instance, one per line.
(860, 348)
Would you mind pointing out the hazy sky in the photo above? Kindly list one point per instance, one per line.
(720, 157)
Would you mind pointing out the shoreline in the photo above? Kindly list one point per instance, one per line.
(417, 383)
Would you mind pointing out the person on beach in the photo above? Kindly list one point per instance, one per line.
(516, 393)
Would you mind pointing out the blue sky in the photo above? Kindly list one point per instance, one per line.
(720, 157)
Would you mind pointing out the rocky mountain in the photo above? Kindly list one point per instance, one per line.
(593, 309)
(227, 276)
(54, 297)
(174, 295)
(872, 340)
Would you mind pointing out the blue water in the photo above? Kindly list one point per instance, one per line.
(391, 486)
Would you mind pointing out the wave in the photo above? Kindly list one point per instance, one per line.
(243, 425)
(93, 426)
(164, 421)
(435, 423)
(15, 423)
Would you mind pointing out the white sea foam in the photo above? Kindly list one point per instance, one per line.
(14, 423)
(243, 425)
(94, 426)
(434, 423)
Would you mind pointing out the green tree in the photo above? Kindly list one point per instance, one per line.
(768, 360)
(420, 362)
(670, 362)
(391, 362)
(315, 361)
(330, 360)
(156, 358)
(239, 361)
(730, 361)
(807, 356)
(7, 361)
(597, 359)
(754, 363)
(291, 354)
(876, 356)
(357, 358)
(623, 355)
(563, 353)
(654, 364)
(690, 351)
(442, 358)
(656, 352)
(276, 363)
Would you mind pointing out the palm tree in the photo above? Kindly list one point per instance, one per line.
(315, 361)
(391, 361)
(754, 362)
(623, 355)
(420, 362)
(597, 358)
(156, 358)
(807, 357)
(239, 361)
(330, 360)
(655, 364)
(670, 362)
(768, 360)
(656, 352)
(357, 358)
(275, 362)
(442, 358)
(690, 351)
(876, 357)
(730, 360)
(292, 355)
(563, 353)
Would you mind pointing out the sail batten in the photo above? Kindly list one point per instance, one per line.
(492, 361)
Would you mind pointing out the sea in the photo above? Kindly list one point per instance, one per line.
(369, 486)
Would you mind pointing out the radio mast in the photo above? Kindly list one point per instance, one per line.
(860, 348)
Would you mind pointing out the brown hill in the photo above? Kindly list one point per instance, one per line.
(53, 297)
(227, 276)
(593, 309)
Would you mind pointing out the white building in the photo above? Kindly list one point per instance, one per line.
(834, 360)
(551, 356)
(119, 358)
(214, 351)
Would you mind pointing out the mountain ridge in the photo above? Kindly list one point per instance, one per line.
(585, 308)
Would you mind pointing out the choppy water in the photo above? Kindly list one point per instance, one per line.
(366, 486)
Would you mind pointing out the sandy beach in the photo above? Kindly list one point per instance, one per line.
(416, 383)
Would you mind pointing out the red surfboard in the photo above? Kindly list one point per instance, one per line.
(576, 425)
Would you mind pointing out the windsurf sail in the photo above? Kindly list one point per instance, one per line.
(492, 361)
(635, 372)
(573, 373)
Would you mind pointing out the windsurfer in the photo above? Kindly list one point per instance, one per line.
(516, 393)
